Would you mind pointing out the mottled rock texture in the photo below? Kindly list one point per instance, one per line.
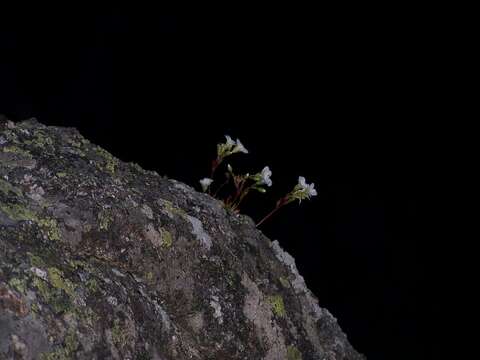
(100, 259)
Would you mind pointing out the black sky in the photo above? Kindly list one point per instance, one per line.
(337, 96)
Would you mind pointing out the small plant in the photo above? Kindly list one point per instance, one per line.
(300, 192)
(224, 150)
(244, 184)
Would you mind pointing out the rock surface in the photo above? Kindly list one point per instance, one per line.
(100, 259)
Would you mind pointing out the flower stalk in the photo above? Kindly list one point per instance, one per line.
(300, 192)
(257, 182)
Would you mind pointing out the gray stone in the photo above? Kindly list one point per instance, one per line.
(100, 259)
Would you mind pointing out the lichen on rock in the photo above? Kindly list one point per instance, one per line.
(100, 259)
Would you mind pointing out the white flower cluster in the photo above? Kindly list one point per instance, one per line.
(302, 190)
(245, 183)
(230, 147)
(307, 188)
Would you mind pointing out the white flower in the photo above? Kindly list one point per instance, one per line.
(265, 176)
(239, 148)
(308, 189)
(230, 147)
(205, 182)
(302, 182)
(230, 142)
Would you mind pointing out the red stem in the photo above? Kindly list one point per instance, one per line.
(283, 201)
(215, 164)
(242, 196)
(239, 187)
(220, 188)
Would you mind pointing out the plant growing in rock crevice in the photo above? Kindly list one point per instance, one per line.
(246, 183)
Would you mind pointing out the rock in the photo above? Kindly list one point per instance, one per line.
(100, 259)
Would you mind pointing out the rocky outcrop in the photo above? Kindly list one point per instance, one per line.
(100, 259)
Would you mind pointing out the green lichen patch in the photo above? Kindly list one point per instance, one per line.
(56, 298)
(40, 139)
(167, 239)
(71, 342)
(171, 209)
(57, 280)
(92, 285)
(76, 146)
(75, 143)
(35, 260)
(58, 292)
(144, 355)
(43, 288)
(35, 308)
(11, 136)
(231, 278)
(293, 353)
(50, 227)
(278, 307)
(76, 264)
(7, 188)
(109, 163)
(118, 334)
(105, 219)
(66, 350)
(87, 316)
(19, 151)
(18, 212)
(19, 285)
(149, 276)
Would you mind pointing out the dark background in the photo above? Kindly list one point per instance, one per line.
(335, 95)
